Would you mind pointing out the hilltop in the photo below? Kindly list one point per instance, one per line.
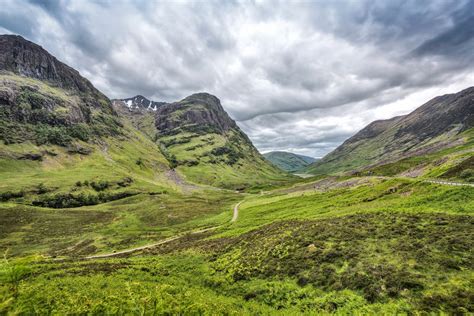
(289, 161)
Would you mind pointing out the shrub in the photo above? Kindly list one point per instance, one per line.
(467, 175)
(41, 188)
(52, 135)
(5, 196)
(125, 182)
(100, 186)
(67, 200)
(79, 131)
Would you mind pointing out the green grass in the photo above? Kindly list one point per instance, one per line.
(241, 168)
(321, 245)
(377, 195)
(106, 227)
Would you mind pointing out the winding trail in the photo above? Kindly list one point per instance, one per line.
(450, 183)
(236, 212)
(164, 241)
(235, 216)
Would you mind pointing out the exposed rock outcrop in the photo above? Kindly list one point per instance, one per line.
(200, 113)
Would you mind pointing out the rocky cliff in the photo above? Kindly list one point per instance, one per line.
(200, 113)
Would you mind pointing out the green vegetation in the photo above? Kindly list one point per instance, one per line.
(46, 114)
(288, 161)
(221, 160)
(374, 246)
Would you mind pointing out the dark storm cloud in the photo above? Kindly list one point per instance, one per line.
(457, 40)
(300, 76)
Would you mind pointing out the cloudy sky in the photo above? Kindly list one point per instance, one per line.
(300, 76)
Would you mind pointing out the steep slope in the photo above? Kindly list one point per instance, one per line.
(46, 101)
(440, 123)
(205, 144)
(288, 161)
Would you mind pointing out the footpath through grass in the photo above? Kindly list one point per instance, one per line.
(362, 246)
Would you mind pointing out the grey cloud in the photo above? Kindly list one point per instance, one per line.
(458, 40)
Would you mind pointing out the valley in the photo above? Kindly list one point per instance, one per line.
(133, 206)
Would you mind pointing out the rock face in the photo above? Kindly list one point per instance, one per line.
(139, 103)
(433, 126)
(199, 113)
(31, 60)
(42, 98)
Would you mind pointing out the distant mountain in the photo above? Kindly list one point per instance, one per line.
(288, 161)
(139, 102)
(437, 124)
(205, 144)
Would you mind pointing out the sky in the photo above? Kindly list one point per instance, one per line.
(298, 76)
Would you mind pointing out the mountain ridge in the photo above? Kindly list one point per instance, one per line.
(288, 161)
(435, 125)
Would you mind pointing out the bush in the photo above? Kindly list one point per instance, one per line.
(41, 188)
(125, 182)
(67, 200)
(467, 175)
(173, 161)
(100, 186)
(80, 131)
(5, 196)
(52, 135)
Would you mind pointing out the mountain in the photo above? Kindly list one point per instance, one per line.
(440, 123)
(288, 161)
(50, 113)
(139, 102)
(45, 101)
(57, 129)
(206, 145)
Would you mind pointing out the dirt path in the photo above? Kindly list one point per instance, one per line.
(161, 242)
(236, 212)
(164, 241)
(450, 183)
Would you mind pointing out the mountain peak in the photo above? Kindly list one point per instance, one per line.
(139, 103)
(203, 97)
(28, 59)
(198, 112)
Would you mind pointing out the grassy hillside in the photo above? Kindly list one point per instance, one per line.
(207, 146)
(436, 125)
(349, 245)
(288, 161)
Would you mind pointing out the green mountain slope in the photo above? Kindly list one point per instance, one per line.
(207, 146)
(438, 124)
(288, 161)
